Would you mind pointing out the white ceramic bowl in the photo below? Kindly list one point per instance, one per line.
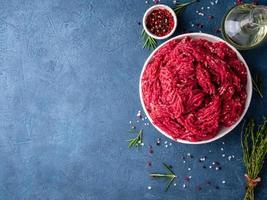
(155, 7)
(224, 130)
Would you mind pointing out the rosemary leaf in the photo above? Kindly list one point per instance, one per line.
(258, 85)
(169, 184)
(168, 168)
(180, 7)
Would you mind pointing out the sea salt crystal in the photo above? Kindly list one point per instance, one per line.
(208, 7)
(223, 182)
(189, 169)
(170, 144)
(149, 187)
(189, 177)
(223, 155)
(184, 185)
(202, 8)
(222, 149)
(165, 142)
(166, 146)
(212, 3)
(174, 184)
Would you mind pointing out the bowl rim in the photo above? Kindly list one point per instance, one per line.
(157, 6)
(225, 130)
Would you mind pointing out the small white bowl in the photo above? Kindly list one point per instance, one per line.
(224, 130)
(155, 7)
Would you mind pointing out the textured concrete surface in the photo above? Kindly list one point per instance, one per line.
(69, 75)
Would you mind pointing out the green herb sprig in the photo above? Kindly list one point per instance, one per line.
(170, 176)
(137, 141)
(254, 145)
(149, 42)
(180, 7)
(258, 85)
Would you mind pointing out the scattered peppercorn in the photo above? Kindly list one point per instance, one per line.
(199, 188)
(149, 163)
(210, 17)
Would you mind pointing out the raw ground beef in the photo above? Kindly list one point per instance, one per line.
(193, 87)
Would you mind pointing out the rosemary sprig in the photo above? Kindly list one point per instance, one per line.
(149, 42)
(135, 142)
(171, 176)
(254, 145)
(180, 7)
(258, 85)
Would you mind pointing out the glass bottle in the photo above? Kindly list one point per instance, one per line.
(245, 25)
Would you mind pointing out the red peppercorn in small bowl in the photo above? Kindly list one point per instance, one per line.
(159, 21)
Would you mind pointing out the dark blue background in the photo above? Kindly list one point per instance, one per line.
(69, 75)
